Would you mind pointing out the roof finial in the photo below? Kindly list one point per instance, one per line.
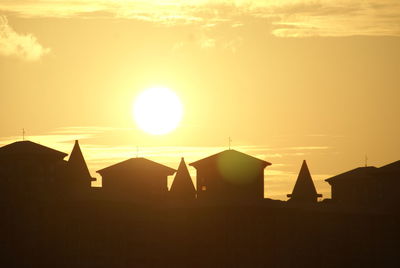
(23, 134)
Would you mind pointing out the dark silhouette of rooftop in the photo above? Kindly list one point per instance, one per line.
(30, 171)
(28, 148)
(355, 174)
(77, 182)
(304, 189)
(182, 187)
(367, 186)
(62, 232)
(77, 162)
(230, 155)
(365, 173)
(136, 179)
(392, 167)
(230, 176)
(138, 164)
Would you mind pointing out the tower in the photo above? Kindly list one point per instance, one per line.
(304, 190)
(182, 187)
(78, 169)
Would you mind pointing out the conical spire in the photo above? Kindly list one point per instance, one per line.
(182, 187)
(77, 163)
(304, 189)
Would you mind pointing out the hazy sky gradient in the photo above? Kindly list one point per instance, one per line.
(287, 80)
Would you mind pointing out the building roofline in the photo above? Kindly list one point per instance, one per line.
(209, 158)
(126, 162)
(353, 172)
(29, 147)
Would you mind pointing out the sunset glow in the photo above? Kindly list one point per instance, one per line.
(287, 80)
(197, 133)
(157, 111)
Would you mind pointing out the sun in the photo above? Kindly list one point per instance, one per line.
(157, 111)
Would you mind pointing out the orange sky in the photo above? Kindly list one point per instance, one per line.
(287, 80)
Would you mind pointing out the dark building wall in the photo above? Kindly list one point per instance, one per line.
(24, 178)
(109, 235)
(357, 192)
(368, 186)
(390, 191)
(136, 187)
(212, 184)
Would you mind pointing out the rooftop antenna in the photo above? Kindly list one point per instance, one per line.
(230, 142)
(366, 160)
(23, 134)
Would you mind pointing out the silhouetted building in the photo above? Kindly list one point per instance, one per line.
(30, 171)
(135, 179)
(78, 167)
(304, 190)
(230, 176)
(367, 185)
(78, 181)
(182, 187)
(390, 184)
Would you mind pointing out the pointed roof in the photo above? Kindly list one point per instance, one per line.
(229, 155)
(77, 161)
(183, 182)
(304, 187)
(138, 164)
(29, 148)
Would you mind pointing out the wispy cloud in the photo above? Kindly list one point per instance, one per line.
(306, 148)
(23, 46)
(84, 130)
(338, 18)
(290, 18)
(62, 138)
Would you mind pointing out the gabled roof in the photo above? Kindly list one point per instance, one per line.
(29, 148)
(182, 182)
(304, 186)
(392, 167)
(77, 162)
(357, 173)
(232, 155)
(140, 164)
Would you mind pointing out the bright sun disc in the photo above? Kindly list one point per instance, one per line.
(157, 111)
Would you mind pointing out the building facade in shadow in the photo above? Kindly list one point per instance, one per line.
(367, 186)
(137, 180)
(241, 234)
(32, 172)
(230, 176)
